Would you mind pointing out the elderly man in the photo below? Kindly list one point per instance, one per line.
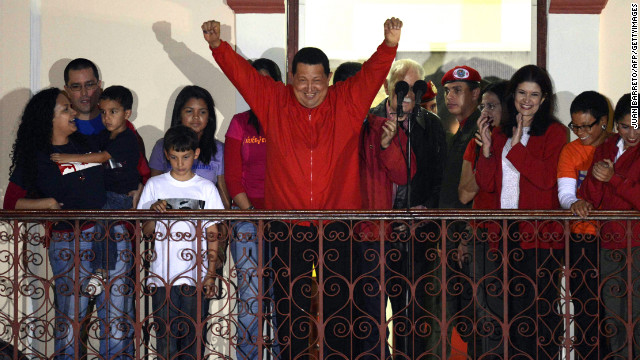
(312, 163)
(429, 147)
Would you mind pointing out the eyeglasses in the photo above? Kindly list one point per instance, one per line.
(88, 86)
(488, 106)
(576, 128)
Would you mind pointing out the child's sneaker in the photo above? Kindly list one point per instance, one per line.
(94, 286)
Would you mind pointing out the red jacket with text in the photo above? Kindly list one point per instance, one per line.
(312, 154)
(538, 164)
(622, 192)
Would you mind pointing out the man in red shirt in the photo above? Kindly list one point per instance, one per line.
(312, 163)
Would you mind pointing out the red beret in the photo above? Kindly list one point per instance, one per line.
(431, 92)
(461, 73)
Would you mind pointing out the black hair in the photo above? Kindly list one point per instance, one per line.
(34, 135)
(80, 64)
(274, 72)
(544, 117)
(120, 94)
(499, 89)
(34, 132)
(592, 103)
(623, 107)
(269, 65)
(345, 71)
(472, 84)
(180, 138)
(207, 144)
(311, 56)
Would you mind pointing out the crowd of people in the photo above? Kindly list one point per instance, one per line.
(312, 145)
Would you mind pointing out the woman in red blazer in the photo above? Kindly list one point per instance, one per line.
(518, 166)
(613, 183)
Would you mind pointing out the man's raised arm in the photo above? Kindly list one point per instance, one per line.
(251, 85)
(362, 88)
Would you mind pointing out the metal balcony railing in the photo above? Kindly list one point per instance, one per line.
(320, 284)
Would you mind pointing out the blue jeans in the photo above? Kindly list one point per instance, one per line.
(68, 281)
(106, 249)
(244, 251)
(115, 307)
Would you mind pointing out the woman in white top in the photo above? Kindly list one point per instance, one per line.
(518, 165)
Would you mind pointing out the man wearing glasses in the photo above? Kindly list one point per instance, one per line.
(83, 85)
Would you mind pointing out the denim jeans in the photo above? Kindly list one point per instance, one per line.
(115, 307)
(244, 251)
(175, 321)
(106, 250)
(68, 282)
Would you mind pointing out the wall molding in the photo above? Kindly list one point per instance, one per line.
(576, 6)
(257, 6)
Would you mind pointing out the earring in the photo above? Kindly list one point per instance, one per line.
(604, 127)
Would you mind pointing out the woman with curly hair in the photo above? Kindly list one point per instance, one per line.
(194, 108)
(518, 166)
(48, 126)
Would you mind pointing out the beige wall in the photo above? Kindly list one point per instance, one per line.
(14, 76)
(615, 48)
(153, 47)
(575, 34)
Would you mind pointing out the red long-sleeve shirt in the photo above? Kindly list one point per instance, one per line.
(312, 154)
(622, 192)
(537, 163)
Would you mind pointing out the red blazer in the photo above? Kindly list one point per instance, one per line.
(537, 164)
(622, 192)
(312, 154)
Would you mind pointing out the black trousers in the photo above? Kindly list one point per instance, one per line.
(411, 285)
(583, 285)
(296, 251)
(535, 319)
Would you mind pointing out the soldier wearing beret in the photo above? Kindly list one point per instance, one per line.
(461, 94)
(428, 100)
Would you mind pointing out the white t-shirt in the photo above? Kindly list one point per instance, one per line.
(510, 195)
(175, 261)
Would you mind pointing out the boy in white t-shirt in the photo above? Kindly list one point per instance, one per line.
(175, 274)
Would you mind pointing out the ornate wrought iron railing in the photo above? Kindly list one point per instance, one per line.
(320, 284)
